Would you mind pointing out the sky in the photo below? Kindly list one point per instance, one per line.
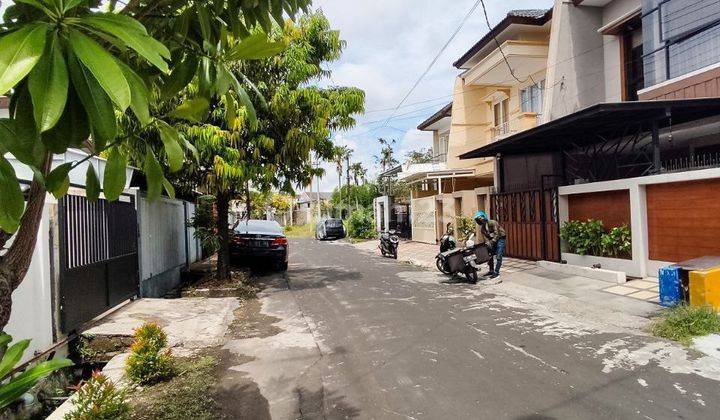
(390, 43)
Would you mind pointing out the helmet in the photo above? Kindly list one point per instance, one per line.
(481, 215)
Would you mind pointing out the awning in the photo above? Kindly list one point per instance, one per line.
(440, 174)
(607, 120)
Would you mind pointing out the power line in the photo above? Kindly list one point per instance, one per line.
(433, 62)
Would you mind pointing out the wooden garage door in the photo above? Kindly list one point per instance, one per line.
(683, 220)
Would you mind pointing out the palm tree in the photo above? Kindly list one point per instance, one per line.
(386, 158)
(358, 172)
(340, 153)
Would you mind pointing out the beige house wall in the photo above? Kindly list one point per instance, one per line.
(576, 60)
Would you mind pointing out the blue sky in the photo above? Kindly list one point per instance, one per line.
(390, 43)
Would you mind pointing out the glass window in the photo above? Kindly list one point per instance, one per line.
(501, 112)
(695, 52)
(531, 98)
(681, 17)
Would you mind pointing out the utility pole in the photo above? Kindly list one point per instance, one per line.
(347, 176)
(317, 166)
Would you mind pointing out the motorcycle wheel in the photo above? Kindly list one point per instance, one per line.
(471, 276)
(440, 264)
(394, 254)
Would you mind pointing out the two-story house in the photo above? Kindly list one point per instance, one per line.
(499, 92)
(630, 135)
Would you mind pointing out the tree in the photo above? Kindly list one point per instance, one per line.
(420, 156)
(340, 155)
(358, 172)
(294, 119)
(71, 69)
(386, 159)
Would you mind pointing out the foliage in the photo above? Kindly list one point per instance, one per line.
(305, 231)
(13, 388)
(465, 227)
(684, 322)
(148, 363)
(583, 238)
(99, 399)
(351, 195)
(359, 173)
(420, 156)
(591, 238)
(617, 242)
(386, 158)
(189, 395)
(203, 222)
(273, 201)
(361, 224)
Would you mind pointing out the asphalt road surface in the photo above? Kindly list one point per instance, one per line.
(347, 334)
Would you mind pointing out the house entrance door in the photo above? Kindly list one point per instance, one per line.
(98, 264)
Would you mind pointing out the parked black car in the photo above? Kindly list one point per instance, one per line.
(254, 240)
(330, 229)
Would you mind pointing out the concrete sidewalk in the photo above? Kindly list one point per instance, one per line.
(577, 296)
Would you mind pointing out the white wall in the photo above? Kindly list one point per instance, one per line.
(641, 265)
(31, 315)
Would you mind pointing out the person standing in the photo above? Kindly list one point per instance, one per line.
(495, 237)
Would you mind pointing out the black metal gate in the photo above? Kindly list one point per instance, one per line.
(530, 219)
(98, 257)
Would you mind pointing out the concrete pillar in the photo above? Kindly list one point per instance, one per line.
(638, 227)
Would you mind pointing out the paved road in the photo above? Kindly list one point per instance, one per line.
(352, 335)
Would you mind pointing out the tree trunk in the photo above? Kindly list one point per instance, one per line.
(15, 263)
(223, 260)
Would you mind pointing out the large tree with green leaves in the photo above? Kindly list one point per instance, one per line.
(71, 70)
(269, 146)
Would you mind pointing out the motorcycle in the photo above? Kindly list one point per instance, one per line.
(389, 243)
(466, 260)
(447, 243)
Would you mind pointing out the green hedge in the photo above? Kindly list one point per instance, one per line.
(361, 224)
(591, 238)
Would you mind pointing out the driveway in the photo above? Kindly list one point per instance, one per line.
(348, 334)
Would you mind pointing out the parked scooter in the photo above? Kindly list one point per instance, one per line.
(466, 260)
(447, 243)
(389, 243)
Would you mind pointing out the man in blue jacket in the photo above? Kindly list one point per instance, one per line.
(495, 236)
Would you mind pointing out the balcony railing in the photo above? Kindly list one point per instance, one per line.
(503, 130)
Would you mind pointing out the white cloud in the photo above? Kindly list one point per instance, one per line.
(390, 43)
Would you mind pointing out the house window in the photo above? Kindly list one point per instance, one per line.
(679, 37)
(501, 112)
(531, 98)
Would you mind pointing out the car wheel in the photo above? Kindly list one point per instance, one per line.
(283, 266)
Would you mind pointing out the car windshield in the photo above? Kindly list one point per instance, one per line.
(259, 227)
(333, 223)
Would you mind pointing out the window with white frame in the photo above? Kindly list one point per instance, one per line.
(501, 112)
(531, 98)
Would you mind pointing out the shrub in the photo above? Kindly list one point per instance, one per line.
(148, 363)
(617, 243)
(465, 227)
(361, 225)
(590, 238)
(13, 388)
(99, 399)
(152, 334)
(684, 322)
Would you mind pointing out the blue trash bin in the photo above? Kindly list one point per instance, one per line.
(671, 293)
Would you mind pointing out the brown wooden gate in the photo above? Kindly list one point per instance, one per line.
(530, 219)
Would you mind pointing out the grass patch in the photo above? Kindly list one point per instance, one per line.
(305, 231)
(188, 395)
(684, 322)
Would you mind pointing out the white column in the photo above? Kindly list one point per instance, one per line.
(638, 227)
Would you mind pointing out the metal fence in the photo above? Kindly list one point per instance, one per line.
(166, 244)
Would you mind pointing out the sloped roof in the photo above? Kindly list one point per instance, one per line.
(445, 112)
(535, 17)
